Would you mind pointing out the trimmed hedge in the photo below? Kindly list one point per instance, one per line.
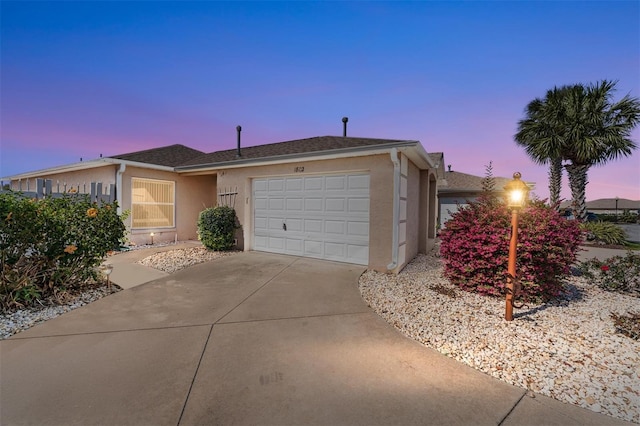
(216, 228)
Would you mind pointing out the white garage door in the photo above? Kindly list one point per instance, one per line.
(325, 217)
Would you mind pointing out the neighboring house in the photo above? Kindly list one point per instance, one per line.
(456, 189)
(358, 200)
(608, 206)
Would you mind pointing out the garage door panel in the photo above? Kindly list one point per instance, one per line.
(260, 223)
(294, 184)
(335, 250)
(294, 245)
(276, 185)
(358, 182)
(276, 203)
(314, 183)
(359, 205)
(335, 205)
(334, 227)
(260, 186)
(358, 252)
(358, 229)
(295, 204)
(261, 242)
(313, 225)
(313, 204)
(261, 203)
(313, 248)
(294, 225)
(335, 183)
(326, 217)
(276, 243)
(275, 223)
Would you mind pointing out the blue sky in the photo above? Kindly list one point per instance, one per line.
(80, 79)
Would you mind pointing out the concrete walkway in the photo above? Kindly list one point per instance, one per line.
(250, 339)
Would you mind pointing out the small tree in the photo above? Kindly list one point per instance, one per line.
(216, 227)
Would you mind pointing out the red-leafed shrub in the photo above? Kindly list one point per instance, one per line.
(475, 248)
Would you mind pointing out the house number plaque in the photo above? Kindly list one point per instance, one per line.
(298, 169)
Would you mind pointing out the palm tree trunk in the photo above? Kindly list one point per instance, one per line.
(555, 182)
(578, 184)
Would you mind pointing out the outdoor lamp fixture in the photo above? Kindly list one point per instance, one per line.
(152, 234)
(107, 269)
(517, 194)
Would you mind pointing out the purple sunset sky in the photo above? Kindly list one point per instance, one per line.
(80, 79)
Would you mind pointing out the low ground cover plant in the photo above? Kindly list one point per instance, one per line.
(216, 228)
(51, 245)
(617, 273)
(475, 248)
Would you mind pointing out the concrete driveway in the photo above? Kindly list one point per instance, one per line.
(251, 339)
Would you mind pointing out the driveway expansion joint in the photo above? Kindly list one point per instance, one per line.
(218, 323)
(504, 419)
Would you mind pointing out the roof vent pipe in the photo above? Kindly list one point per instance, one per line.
(344, 126)
(239, 129)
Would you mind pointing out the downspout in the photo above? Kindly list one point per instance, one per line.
(119, 174)
(396, 209)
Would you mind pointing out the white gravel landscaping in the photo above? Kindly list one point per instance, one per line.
(568, 350)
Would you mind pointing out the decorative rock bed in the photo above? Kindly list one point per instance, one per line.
(568, 350)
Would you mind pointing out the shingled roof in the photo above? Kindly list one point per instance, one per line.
(172, 155)
(607, 204)
(463, 182)
(294, 147)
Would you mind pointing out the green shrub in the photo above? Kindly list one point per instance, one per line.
(604, 233)
(216, 227)
(620, 274)
(52, 244)
(622, 217)
(475, 248)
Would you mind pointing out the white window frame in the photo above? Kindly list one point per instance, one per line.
(172, 203)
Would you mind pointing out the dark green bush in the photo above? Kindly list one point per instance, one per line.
(604, 233)
(52, 244)
(622, 217)
(216, 227)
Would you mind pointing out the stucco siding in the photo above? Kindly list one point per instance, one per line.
(193, 194)
(414, 192)
(380, 170)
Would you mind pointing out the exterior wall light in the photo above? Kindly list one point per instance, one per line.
(517, 196)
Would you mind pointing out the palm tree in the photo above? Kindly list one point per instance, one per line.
(597, 131)
(541, 134)
(582, 125)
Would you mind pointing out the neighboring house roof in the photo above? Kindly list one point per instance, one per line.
(299, 147)
(172, 155)
(607, 204)
(463, 182)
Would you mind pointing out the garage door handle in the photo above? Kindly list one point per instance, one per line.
(284, 226)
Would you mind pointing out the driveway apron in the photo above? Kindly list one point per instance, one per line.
(249, 339)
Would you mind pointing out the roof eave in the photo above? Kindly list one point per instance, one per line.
(85, 165)
(418, 155)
